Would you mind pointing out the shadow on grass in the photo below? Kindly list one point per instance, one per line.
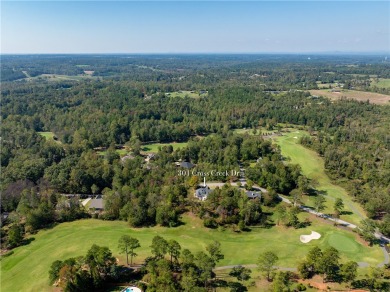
(27, 241)
(346, 213)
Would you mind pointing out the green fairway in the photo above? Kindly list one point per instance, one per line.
(27, 269)
(153, 148)
(313, 167)
(186, 93)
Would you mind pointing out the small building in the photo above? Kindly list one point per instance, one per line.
(253, 194)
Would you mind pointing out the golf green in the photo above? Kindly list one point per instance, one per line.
(343, 243)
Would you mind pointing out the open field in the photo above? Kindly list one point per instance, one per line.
(375, 98)
(27, 269)
(49, 136)
(184, 93)
(382, 82)
(153, 148)
(57, 77)
(313, 167)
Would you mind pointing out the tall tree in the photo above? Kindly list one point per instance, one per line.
(348, 271)
(127, 245)
(338, 207)
(159, 246)
(266, 263)
(241, 273)
(319, 203)
(174, 250)
(280, 214)
(329, 264)
(215, 252)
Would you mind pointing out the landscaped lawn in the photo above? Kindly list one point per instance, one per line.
(27, 269)
(153, 148)
(313, 167)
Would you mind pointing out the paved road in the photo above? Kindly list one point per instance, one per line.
(252, 266)
(322, 215)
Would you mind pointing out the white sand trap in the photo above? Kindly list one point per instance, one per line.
(295, 137)
(308, 238)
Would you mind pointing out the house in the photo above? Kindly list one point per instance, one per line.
(186, 164)
(150, 157)
(128, 156)
(253, 195)
(203, 192)
(96, 204)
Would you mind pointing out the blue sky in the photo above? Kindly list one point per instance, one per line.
(194, 27)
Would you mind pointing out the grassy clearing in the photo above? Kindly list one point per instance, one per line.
(49, 136)
(27, 269)
(382, 82)
(186, 93)
(153, 148)
(313, 167)
(121, 152)
(57, 77)
(375, 98)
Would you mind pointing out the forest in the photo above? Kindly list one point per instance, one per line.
(127, 107)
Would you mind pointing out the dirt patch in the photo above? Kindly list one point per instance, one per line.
(373, 97)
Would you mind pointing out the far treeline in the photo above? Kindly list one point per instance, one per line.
(131, 108)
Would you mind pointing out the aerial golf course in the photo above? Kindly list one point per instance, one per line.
(313, 167)
(27, 268)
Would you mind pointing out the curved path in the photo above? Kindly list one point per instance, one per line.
(378, 235)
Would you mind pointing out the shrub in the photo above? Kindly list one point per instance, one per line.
(301, 287)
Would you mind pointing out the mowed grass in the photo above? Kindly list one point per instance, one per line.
(186, 93)
(313, 167)
(382, 82)
(121, 152)
(27, 269)
(153, 148)
(49, 136)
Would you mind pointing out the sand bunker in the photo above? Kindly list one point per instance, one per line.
(308, 238)
(295, 137)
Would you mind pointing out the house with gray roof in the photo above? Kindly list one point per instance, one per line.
(202, 193)
(96, 204)
(253, 194)
(186, 164)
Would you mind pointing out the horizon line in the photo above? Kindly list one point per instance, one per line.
(203, 53)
